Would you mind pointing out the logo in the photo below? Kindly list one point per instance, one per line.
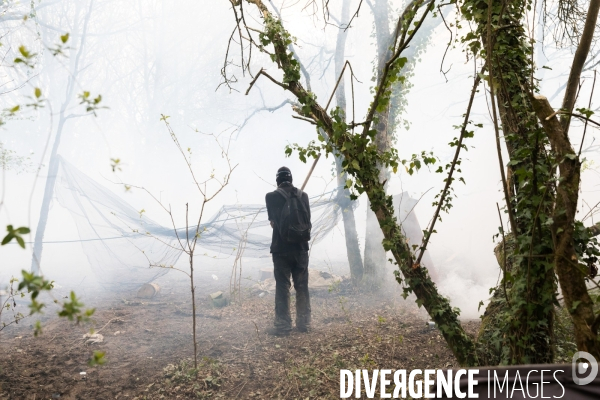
(589, 367)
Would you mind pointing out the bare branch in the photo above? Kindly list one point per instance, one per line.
(581, 54)
(353, 16)
(447, 47)
(352, 76)
(582, 117)
(449, 178)
(304, 119)
(264, 108)
(586, 122)
(262, 72)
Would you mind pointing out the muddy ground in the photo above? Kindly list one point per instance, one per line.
(149, 349)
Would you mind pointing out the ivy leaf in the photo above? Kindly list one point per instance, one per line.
(355, 165)
(585, 111)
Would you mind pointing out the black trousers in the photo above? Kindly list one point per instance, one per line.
(294, 264)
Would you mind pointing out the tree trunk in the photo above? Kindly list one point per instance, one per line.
(352, 248)
(489, 344)
(53, 165)
(38, 244)
(193, 292)
(350, 233)
(571, 274)
(374, 256)
(525, 330)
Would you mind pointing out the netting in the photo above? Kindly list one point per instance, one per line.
(121, 244)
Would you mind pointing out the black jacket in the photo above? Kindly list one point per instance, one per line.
(275, 202)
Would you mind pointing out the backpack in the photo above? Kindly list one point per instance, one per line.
(294, 224)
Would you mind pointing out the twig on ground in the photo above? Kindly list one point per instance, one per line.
(257, 335)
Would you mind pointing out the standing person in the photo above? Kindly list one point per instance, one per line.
(289, 214)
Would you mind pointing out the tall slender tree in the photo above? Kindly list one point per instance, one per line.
(351, 235)
(82, 14)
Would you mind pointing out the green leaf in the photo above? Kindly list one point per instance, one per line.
(24, 52)
(585, 111)
(355, 165)
(64, 38)
(7, 238)
(38, 92)
(15, 234)
(37, 330)
(97, 358)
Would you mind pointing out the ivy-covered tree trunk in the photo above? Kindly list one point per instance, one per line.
(571, 273)
(415, 277)
(525, 328)
(573, 244)
(351, 235)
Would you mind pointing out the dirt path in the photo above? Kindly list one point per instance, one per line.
(148, 349)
